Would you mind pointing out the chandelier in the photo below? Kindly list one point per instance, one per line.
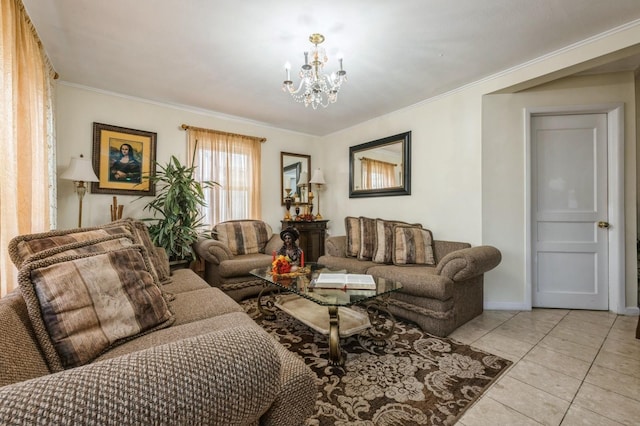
(315, 87)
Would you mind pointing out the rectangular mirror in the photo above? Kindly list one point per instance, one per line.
(294, 179)
(381, 167)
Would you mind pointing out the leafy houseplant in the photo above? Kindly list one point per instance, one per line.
(176, 209)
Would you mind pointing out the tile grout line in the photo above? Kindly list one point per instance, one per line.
(514, 364)
(571, 404)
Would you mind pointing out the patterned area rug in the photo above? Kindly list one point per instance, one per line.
(412, 378)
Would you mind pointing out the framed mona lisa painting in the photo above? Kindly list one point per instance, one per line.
(122, 158)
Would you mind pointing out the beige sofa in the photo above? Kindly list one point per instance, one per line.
(211, 365)
(438, 297)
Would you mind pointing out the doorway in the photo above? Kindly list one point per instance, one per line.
(575, 170)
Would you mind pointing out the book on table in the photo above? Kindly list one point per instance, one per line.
(346, 281)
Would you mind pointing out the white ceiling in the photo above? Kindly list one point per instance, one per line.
(228, 56)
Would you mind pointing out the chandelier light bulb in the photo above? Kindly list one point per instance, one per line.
(287, 67)
(315, 87)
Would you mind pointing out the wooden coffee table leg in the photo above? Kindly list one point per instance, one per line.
(336, 356)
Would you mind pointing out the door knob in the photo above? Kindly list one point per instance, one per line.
(603, 224)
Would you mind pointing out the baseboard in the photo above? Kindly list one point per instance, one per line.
(506, 306)
(514, 306)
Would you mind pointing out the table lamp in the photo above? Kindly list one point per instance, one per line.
(80, 171)
(302, 183)
(318, 180)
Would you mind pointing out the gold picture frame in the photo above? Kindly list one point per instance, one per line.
(122, 158)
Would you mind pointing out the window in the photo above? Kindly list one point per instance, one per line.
(233, 161)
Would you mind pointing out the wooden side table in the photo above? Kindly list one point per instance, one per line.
(312, 235)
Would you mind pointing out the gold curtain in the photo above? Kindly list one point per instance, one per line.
(377, 174)
(233, 161)
(27, 174)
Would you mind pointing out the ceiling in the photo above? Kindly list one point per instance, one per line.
(228, 56)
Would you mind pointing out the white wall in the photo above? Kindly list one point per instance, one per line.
(504, 157)
(77, 108)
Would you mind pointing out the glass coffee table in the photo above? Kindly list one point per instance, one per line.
(328, 311)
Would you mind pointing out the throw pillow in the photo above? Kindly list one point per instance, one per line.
(412, 245)
(243, 236)
(100, 245)
(23, 246)
(159, 263)
(367, 238)
(82, 305)
(352, 229)
(383, 252)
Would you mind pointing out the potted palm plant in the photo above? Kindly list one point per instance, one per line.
(177, 221)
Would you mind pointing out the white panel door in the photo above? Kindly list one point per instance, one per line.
(569, 211)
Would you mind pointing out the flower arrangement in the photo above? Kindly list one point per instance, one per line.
(281, 265)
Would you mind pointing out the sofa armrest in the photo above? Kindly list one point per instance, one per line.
(274, 244)
(229, 376)
(212, 251)
(336, 246)
(470, 262)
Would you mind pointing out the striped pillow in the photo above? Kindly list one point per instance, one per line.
(82, 305)
(412, 245)
(367, 238)
(243, 236)
(24, 246)
(352, 229)
(384, 239)
(99, 245)
(160, 264)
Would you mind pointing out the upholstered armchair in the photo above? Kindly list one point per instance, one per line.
(237, 247)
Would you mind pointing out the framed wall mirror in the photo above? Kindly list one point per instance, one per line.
(381, 167)
(295, 170)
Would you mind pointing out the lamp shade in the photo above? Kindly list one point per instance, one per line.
(80, 170)
(303, 180)
(318, 177)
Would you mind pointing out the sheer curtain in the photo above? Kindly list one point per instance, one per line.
(233, 161)
(377, 174)
(27, 175)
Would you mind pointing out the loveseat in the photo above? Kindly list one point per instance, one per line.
(204, 361)
(442, 280)
(237, 247)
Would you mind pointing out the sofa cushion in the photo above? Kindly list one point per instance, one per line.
(350, 264)
(241, 265)
(420, 281)
(81, 305)
(243, 236)
(412, 245)
(199, 304)
(367, 238)
(352, 229)
(384, 237)
(184, 280)
(182, 331)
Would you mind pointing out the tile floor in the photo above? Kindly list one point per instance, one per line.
(570, 368)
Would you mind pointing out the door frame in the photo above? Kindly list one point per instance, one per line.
(615, 202)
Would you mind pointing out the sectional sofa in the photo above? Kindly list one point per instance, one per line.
(102, 332)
